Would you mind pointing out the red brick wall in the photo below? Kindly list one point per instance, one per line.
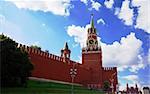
(49, 68)
(53, 67)
(57, 70)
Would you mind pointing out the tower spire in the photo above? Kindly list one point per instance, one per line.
(92, 20)
(66, 46)
(65, 52)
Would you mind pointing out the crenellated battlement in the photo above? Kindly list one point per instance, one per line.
(109, 68)
(41, 53)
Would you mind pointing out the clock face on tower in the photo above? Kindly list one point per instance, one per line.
(91, 41)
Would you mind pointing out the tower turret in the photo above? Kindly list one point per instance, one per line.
(65, 52)
(127, 87)
(91, 42)
(91, 54)
(136, 87)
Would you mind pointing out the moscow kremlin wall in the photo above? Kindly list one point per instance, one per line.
(90, 73)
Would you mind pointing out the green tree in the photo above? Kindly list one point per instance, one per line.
(106, 86)
(36, 47)
(15, 64)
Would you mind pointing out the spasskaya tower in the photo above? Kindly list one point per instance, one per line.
(92, 43)
(92, 54)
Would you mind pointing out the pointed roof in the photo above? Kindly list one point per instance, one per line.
(92, 21)
(127, 85)
(66, 46)
(136, 86)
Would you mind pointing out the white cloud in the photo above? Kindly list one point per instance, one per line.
(57, 7)
(143, 21)
(79, 33)
(122, 68)
(140, 65)
(84, 1)
(101, 21)
(109, 3)
(135, 67)
(117, 10)
(126, 14)
(95, 5)
(132, 79)
(123, 53)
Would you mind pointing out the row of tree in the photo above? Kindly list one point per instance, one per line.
(15, 64)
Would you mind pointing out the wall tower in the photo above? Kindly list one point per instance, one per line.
(65, 53)
(92, 55)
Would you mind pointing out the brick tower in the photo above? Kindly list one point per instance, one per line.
(92, 55)
(65, 53)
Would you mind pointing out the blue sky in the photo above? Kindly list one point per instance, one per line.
(122, 26)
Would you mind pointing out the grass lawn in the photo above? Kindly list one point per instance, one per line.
(37, 87)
